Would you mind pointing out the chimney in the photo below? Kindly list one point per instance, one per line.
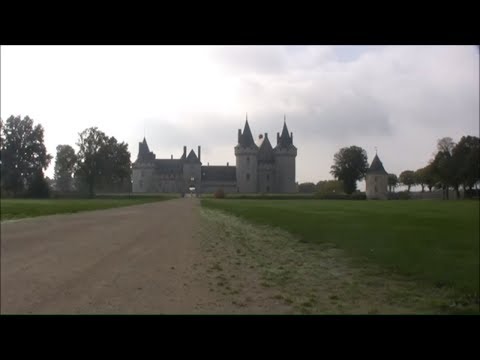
(184, 151)
(291, 137)
(227, 163)
(278, 137)
(266, 136)
(208, 164)
(171, 156)
(199, 153)
(239, 135)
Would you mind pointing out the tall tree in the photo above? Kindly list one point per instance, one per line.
(350, 165)
(89, 162)
(466, 156)
(429, 176)
(407, 178)
(420, 178)
(444, 165)
(23, 153)
(307, 187)
(64, 167)
(392, 182)
(330, 186)
(115, 164)
(102, 162)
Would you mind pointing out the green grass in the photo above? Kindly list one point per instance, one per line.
(23, 208)
(432, 241)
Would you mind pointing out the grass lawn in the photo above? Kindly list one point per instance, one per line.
(22, 208)
(435, 242)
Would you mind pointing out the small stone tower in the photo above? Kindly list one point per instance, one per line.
(284, 154)
(246, 153)
(376, 181)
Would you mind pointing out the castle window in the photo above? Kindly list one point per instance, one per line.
(376, 180)
(248, 177)
(375, 187)
(268, 177)
(268, 188)
(141, 184)
(142, 173)
(248, 160)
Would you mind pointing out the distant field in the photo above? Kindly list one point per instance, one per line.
(22, 208)
(436, 242)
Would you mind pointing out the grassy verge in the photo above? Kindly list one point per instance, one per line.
(433, 243)
(23, 208)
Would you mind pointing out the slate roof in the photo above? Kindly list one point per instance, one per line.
(144, 153)
(246, 139)
(376, 167)
(285, 140)
(265, 153)
(168, 166)
(219, 173)
(192, 158)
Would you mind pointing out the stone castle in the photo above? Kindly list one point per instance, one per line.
(260, 168)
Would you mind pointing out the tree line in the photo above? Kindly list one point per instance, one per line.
(100, 164)
(453, 165)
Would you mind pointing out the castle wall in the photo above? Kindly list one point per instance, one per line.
(246, 169)
(192, 170)
(209, 187)
(266, 178)
(142, 177)
(285, 172)
(376, 186)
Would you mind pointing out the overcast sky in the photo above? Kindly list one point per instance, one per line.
(400, 99)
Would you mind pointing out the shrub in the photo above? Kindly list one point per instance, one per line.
(402, 195)
(334, 196)
(219, 194)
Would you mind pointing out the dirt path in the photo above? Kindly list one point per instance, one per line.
(146, 259)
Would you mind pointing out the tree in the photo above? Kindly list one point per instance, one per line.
(102, 162)
(429, 176)
(23, 153)
(466, 156)
(115, 165)
(392, 182)
(407, 178)
(420, 178)
(329, 187)
(444, 165)
(350, 165)
(89, 161)
(39, 187)
(64, 167)
(307, 187)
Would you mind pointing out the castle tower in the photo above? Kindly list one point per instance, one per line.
(142, 169)
(266, 166)
(192, 170)
(376, 180)
(246, 153)
(284, 154)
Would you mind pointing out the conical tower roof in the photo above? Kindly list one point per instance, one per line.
(376, 167)
(246, 139)
(265, 153)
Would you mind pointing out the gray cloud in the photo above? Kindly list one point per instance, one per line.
(398, 98)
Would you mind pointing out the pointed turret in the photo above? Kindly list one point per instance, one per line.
(245, 139)
(265, 153)
(376, 167)
(284, 140)
(144, 153)
(192, 157)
